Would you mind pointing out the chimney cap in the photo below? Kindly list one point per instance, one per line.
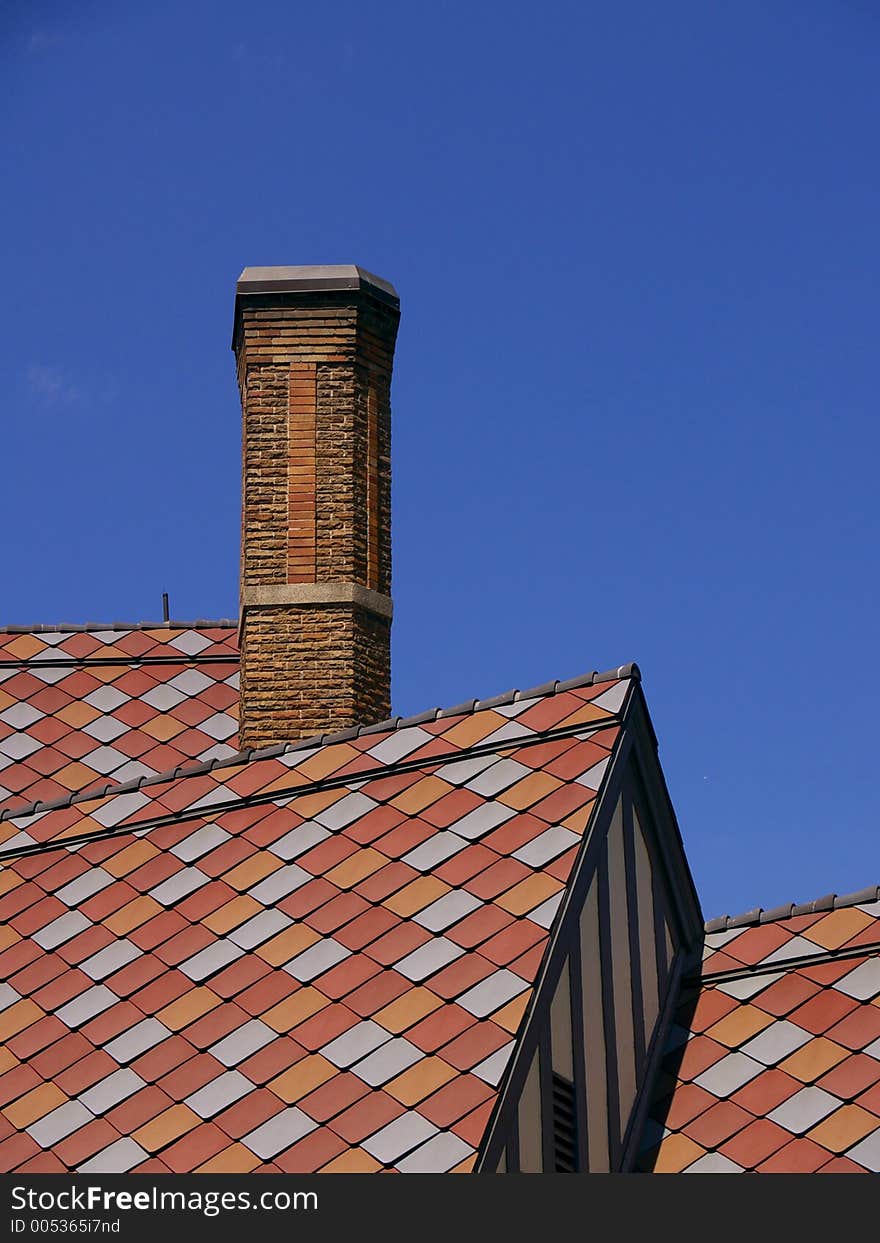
(315, 278)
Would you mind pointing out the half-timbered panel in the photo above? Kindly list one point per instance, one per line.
(597, 1024)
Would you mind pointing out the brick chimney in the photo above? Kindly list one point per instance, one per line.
(314, 347)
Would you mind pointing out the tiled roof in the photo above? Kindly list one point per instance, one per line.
(773, 1062)
(303, 958)
(81, 708)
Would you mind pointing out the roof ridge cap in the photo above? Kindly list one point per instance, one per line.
(829, 902)
(247, 755)
(223, 623)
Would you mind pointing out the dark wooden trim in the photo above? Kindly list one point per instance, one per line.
(654, 1058)
(662, 885)
(545, 1084)
(635, 947)
(636, 750)
(565, 931)
(512, 1146)
(607, 966)
(669, 843)
(663, 965)
(578, 1047)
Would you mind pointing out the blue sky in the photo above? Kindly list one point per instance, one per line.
(635, 399)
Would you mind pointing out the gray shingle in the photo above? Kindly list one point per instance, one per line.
(714, 1163)
(91, 882)
(437, 1156)
(750, 985)
(461, 771)
(60, 1122)
(804, 1110)
(219, 794)
(131, 1044)
(864, 983)
(242, 1042)
(317, 959)
(106, 699)
(190, 642)
(84, 1007)
(279, 1133)
(797, 947)
(219, 1093)
(163, 697)
(387, 1061)
(508, 733)
(18, 747)
(190, 682)
(199, 843)
(546, 847)
(592, 778)
(260, 928)
(399, 1137)
(119, 808)
(110, 1091)
(220, 726)
(544, 914)
(447, 910)
(110, 959)
(62, 929)
(491, 1069)
(133, 771)
(714, 940)
(612, 700)
(20, 716)
(210, 960)
(482, 820)
(354, 1044)
(348, 809)
(867, 1152)
(428, 959)
(119, 1158)
(729, 1074)
(20, 840)
(280, 883)
(776, 1042)
(219, 751)
(299, 840)
(104, 729)
(400, 743)
(514, 709)
(8, 996)
(179, 886)
(105, 760)
(48, 673)
(500, 776)
(492, 993)
(434, 850)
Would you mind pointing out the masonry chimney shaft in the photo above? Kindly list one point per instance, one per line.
(314, 347)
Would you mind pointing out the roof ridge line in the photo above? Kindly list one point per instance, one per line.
(249, 754)
(286, 793)
(796, 963)
(224, 623)
(100, 660)
(830, 902)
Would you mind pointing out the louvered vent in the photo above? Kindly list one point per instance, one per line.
(564, 1126)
